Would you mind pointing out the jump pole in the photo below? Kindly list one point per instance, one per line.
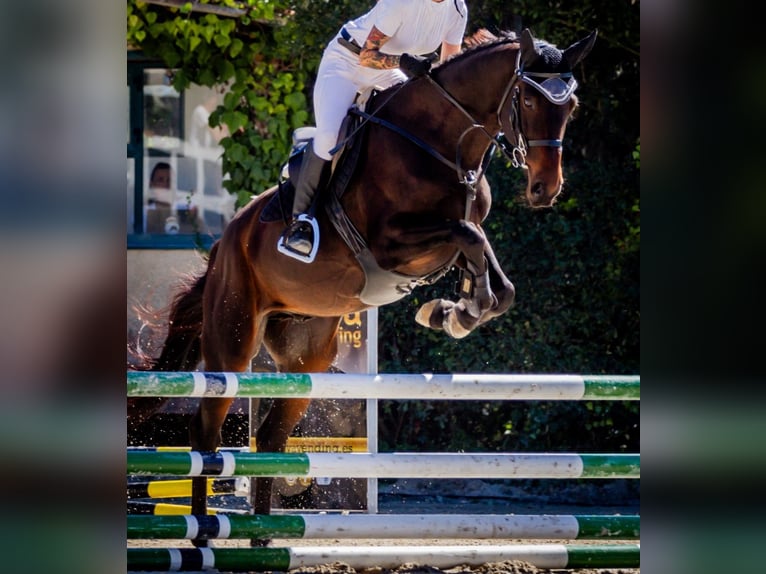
(385, 465)
(362, 557)
(182, 488)
(142, 507)
(384, 386)
(312, 526)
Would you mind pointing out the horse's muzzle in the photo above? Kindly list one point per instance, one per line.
(541, 195)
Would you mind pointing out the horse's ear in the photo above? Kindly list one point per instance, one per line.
(577, 51)
(528, 51)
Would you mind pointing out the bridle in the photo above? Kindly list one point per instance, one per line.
(514, 136)
(520, 143)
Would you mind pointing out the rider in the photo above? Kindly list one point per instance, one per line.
(377, 49)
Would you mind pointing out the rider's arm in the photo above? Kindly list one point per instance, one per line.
(372, 57)
(448, 50)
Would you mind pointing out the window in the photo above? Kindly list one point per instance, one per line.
(175, 192)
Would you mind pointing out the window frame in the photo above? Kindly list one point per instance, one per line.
(136, 237)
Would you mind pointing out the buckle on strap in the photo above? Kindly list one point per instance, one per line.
(348, 42)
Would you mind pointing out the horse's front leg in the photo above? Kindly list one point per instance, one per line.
(502, 289)
(459, 318)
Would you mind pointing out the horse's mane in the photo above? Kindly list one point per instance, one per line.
(484, 36)
(483, 40)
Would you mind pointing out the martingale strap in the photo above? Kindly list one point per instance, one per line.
(468, 178)
(414, 139)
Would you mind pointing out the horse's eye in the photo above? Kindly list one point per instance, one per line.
(528, 102)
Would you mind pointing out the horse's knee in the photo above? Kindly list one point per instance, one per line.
(283, 417)
(506, 297)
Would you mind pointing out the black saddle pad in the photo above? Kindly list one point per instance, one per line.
(278, 207)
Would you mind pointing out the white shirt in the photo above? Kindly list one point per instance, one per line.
(413, 26)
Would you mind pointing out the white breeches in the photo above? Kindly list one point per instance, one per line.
(339, 78)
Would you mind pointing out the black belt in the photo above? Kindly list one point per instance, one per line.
(348, 42)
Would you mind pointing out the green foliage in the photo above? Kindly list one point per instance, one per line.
(507, 426)
(262, 59)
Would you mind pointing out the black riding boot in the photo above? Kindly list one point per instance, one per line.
(298, 239)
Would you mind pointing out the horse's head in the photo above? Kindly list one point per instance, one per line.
(535, 115)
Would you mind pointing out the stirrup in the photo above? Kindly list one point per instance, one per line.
(283, 248)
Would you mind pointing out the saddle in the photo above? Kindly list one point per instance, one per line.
(381, 286)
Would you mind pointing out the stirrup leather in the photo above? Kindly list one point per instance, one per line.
(283, 248)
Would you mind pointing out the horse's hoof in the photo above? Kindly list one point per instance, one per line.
(452, 325)
(202, 543)
(431, 314)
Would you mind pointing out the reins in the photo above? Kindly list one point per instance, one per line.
(516, 156)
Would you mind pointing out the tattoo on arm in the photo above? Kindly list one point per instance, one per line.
(372, 57)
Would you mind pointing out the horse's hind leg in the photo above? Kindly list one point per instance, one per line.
(307, 346)
(230, 339)
(205, 436)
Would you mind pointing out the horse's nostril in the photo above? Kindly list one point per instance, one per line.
(537, 189)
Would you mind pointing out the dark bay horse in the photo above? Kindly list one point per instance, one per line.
(410, 210)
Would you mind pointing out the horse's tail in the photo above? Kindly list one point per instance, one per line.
(181, 350)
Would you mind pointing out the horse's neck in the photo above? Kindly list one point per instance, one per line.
(479, 80)
(477, 83)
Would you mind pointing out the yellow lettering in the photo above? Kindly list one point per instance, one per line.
(357, 339)
(353, 338)
(353, 319)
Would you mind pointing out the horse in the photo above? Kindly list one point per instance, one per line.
(407, 210)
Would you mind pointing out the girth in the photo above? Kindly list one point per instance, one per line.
(381, 286)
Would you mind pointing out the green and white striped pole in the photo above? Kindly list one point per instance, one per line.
(384, 386)
(363, 557)
(313, 526)
(385, 465)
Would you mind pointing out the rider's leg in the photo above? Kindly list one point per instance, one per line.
(299, 236)
(338, 79)
(333, 95)
(311, 172)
